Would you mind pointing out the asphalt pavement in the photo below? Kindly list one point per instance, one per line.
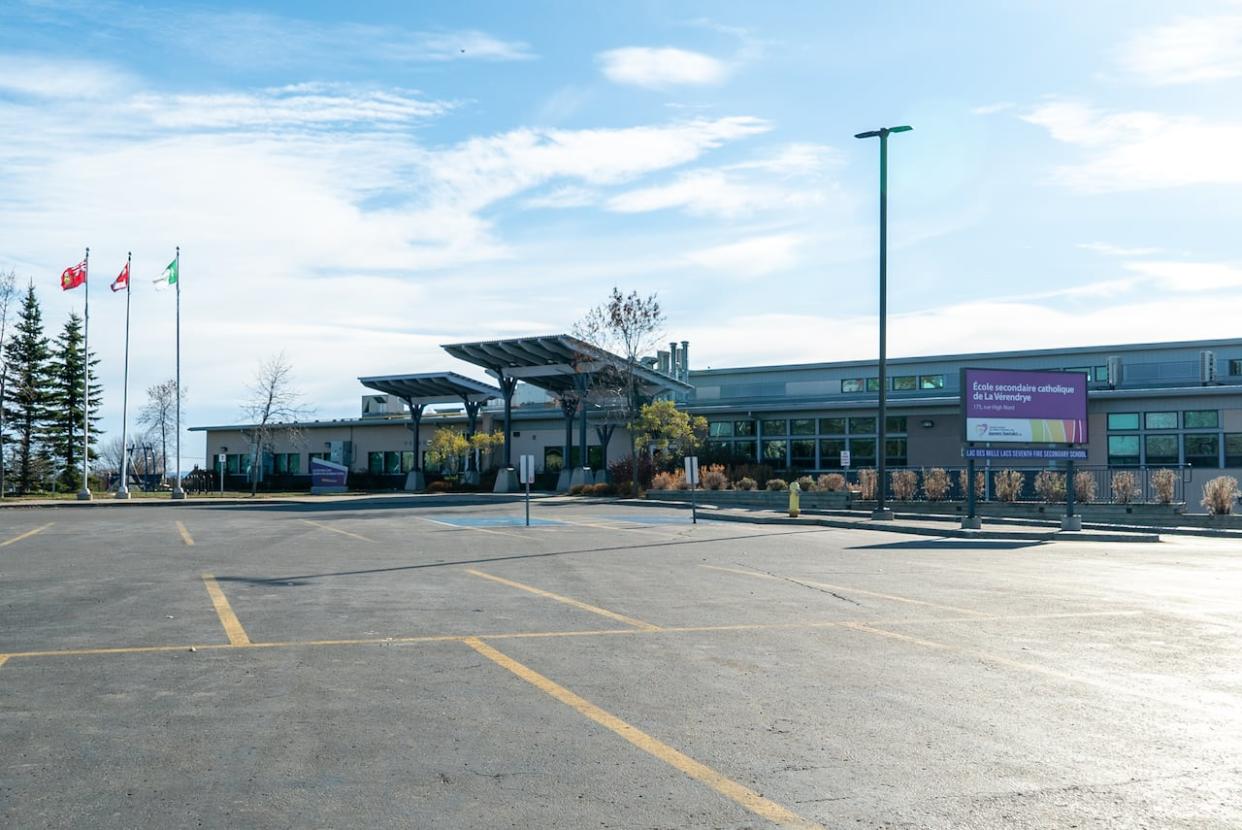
(401, 663)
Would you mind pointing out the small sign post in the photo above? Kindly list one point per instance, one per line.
(845, 459)
(526, 472)
(692, 478)
(221, 457)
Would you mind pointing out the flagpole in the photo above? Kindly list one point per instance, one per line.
(122, 492)
(85, 493)
(177, 492)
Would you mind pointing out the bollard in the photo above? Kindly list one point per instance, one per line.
(794, 490)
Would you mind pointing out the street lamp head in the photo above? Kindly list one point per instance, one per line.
(903, 129)
(883, 133)
(868, 134)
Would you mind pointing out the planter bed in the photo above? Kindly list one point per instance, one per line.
(767, 499)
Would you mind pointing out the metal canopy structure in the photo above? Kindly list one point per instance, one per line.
(432, 388)
(421, 390)
(562, 365)
(551, 362)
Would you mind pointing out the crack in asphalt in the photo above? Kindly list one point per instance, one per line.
(803, 584)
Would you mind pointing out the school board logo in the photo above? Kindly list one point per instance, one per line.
(981, 429)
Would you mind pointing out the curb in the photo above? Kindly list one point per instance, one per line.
(955, 533)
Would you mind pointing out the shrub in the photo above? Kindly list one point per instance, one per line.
(1164, 482)
(1008, 484)
(1084, 486)
(670, 481)
(441, 486)
(621, 472)
(759, 472)
(935, 484)
(1050, 485)
(866, 483)
(1125, 487)
(777, 484)
(576, 490)
(603, 488)
(905, 484)
(981, 483)
(745, 483)
(714, 478)
(806, 483)
(1220, 494)
(830, 483)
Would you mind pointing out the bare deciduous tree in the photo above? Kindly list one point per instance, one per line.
(159, 414)
(629, 325)
(274, 407)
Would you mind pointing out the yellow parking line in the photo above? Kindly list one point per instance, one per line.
(185, 534)
(815, 584)
(4, 658)
(323, 526)
(26, 535)
(700, 772)
(594, 609)
(232, 625)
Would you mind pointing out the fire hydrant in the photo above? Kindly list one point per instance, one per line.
(794, 490)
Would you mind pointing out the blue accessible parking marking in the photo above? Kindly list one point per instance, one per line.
(649, 520)
(490, 521)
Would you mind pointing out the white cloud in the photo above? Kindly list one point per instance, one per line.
(659, 68)
(306, 104)
(753, 257)
(712, 193)
(1188, 50)
(1109, 249)
(992, 109)
(60, 78)
(568, 196)
(1141, 150)
(1190, 276)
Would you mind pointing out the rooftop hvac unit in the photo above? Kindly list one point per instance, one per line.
(1207, 367)
(1114, 372)
(377, 406)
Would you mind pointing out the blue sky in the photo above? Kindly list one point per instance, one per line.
(358, 184)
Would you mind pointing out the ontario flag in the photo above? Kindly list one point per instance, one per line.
(122, 279)
(73, 276)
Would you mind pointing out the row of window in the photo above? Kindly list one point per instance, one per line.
(1199, 449)
(809, 453)
(1190, 419)
(777, 427)
(897, 383)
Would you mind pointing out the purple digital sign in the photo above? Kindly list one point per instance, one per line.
(1016, 406)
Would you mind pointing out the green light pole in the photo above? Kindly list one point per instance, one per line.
(882, 513)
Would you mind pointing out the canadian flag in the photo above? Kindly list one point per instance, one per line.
(73, 276)
(122, 279)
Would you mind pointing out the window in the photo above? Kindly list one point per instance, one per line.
(802, 426)
(744, 429)
(595, 456)
(775, 427)
(375, 463)
(862, 426)
(905, 383)
(830, 452)
(1161, 449)
(1203, 450)
(895, 423)
(931, 381)
(1160, 420)
(407, 461)
(744, 450)
(1082, 370)
(831, 426)
(392, 463)
(1123, 420)
(293, 463)
(1100, 374)
(720, 429)
(802, 454)
(862, 452)
(1123, 450)
(553, 459)
(1235, 367)
(1233, 449)
(873, 384)
(236, 463)
(774, 452)
(895, 451)
(852, 385)
(1200, 419)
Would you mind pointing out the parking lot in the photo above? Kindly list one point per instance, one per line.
(433, 663)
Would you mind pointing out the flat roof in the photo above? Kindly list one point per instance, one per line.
(432, 387)
(553, 361)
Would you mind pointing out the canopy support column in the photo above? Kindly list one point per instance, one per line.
(569, 407)
(604, 433)
(414, 479)
(582, 473)
(506, 478)
(472, 420)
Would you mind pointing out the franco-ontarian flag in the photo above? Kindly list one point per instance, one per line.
(168, 277)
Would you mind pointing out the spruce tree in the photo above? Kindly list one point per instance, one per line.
(65, 437)
(28, 404)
